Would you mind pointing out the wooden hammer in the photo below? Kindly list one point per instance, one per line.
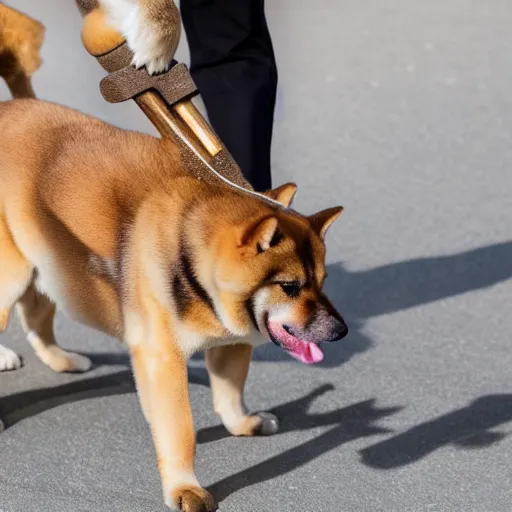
(166, 99)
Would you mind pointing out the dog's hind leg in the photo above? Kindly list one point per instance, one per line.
(15, 276)
(228, 367)
(36, 312)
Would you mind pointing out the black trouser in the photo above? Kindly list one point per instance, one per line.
(233, 65)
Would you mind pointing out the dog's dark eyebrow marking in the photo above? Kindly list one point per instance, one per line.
(270, 275)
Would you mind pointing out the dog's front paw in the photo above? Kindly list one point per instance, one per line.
(191, 499)
(62, 361)
(9, 360)
(58, 359)
(260, 424)
(78, 363)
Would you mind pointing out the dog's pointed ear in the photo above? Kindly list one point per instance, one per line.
(261, 234)
(321, 221)
(283, 194)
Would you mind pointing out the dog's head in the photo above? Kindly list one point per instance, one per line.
(272, 262)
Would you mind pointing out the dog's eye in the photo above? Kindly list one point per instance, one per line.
(291, 289)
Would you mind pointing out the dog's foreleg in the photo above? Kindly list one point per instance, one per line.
(228, 367)
(161, 376)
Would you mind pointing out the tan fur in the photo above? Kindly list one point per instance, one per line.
(20, 41)
(4, 319)
(98, 36)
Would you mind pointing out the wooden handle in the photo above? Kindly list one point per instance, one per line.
(197, 123)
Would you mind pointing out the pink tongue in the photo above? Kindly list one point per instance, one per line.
(308, 353)
(303, 351)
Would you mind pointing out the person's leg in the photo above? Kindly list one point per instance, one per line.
(233, 65)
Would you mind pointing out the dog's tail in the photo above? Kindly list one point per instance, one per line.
(21, 38)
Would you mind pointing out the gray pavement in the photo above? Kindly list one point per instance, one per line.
(401, 111)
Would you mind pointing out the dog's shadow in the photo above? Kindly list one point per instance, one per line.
(19, 406)
(347, 424)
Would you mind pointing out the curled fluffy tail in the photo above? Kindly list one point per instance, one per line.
(21, 38)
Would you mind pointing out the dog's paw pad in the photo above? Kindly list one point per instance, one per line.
(9, 360)
(269, 424)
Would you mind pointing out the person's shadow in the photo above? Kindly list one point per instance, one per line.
(365, 294)
(469, 427)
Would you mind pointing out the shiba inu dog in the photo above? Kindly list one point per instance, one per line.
(109, 226)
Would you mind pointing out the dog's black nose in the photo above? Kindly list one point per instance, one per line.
(339, 331)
